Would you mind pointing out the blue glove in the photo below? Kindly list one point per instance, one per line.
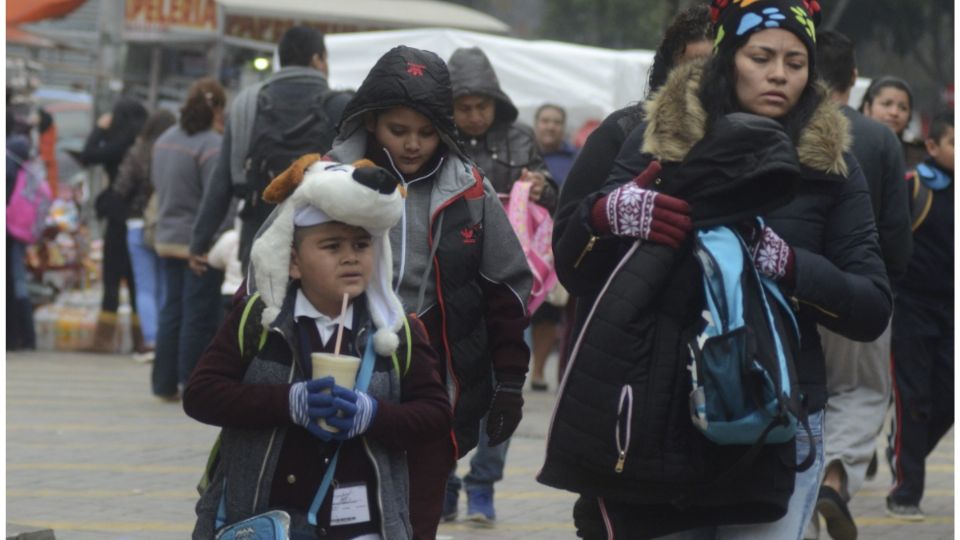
(355, 411)
(311, 401)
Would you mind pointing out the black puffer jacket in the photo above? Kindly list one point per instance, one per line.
(841, 282)
(635, 341)
(508, 146)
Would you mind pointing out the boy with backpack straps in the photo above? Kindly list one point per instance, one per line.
(270, 124)
(276, 463)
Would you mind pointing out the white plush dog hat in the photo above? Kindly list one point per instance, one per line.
(311, 192)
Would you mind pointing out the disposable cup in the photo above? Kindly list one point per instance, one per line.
(343, 368)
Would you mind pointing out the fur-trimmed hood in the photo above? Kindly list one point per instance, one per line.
(676, 120)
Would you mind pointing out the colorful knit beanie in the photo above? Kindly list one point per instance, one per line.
(735, 20)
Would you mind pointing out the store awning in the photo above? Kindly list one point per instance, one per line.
(27, 11)
(371, 13)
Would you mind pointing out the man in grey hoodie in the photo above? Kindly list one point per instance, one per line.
(287, 94)
(506, 151)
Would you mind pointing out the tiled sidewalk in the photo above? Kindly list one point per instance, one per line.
(92, 455)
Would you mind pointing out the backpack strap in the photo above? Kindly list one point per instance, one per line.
(251, 335)
(409, 340)
(921, 199)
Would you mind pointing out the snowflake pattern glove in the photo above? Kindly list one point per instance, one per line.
(772, 255)
(634, 211)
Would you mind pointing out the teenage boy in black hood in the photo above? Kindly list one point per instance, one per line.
(457, 262)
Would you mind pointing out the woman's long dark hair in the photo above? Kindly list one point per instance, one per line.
(689, 26)
(718, 94)
(128, 116)
(156, 124)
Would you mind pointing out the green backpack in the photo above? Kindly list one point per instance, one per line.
(251, 338)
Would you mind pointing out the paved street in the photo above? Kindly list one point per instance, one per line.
(93, 456)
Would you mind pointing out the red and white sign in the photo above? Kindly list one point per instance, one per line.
(169, 14)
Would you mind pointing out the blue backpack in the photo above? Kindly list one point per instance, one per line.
(744, 384)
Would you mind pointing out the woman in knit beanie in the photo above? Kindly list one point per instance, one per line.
(818, 243)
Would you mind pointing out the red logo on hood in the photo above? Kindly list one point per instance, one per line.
(470, 235)
(415, 69)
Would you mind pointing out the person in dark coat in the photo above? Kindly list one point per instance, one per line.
(858, 374)
(302, 54)
(504, 149)
(889, 100)
(923, 327)
(107, 145)
(820, 246)
(134, 188)
(689, 36)
(457, 262)
(20, 331)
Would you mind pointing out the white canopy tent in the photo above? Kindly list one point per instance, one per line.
(370, 13)
(590, 82)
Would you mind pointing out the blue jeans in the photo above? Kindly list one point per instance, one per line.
(17, 266)
(149, 286)
(189, 317)
(486, 465)
(20, 331)
(799, 510)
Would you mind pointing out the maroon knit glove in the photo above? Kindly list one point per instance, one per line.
(634, 211)
(773, 257)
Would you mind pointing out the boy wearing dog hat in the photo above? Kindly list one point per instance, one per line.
(328, 238)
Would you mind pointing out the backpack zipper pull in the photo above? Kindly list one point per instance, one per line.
(622, 458)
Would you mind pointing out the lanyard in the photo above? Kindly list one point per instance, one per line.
(363, 380)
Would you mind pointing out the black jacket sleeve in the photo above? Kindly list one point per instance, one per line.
(581, 256)
(846, 288)
(101, 149)
(217, 195)
(896, 238)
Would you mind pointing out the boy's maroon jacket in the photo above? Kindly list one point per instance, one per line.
(215, 395)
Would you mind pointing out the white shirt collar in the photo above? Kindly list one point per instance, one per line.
(325, 325)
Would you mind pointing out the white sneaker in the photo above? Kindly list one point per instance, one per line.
(144, 357)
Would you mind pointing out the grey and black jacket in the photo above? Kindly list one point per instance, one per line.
(457, 261)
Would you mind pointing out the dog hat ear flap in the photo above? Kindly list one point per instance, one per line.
(270, 261)
(283, 185)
